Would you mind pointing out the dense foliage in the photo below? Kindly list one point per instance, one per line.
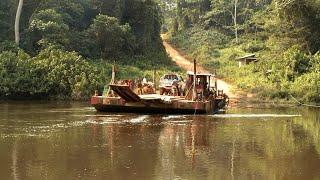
(284, 35)
(52, 73)
(67, 46)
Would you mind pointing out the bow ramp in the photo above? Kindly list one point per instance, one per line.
(125, 93)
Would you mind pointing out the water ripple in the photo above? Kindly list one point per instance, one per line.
(255, 115)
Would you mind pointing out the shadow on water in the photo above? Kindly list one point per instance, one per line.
(67, 141)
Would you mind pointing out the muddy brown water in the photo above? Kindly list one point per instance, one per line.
(41, 140)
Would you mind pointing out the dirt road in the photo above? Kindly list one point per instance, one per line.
(187, 65)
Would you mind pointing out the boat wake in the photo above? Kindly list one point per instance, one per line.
(174, 117)
(254, 115)
(115, 119)
(104, 121)
(139, 119)
(105, 115)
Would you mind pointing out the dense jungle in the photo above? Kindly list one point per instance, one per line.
(65, 49)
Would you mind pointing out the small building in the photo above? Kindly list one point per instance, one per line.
(247, 59)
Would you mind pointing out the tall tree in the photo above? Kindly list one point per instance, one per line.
(235, 20)
(17, 22)
(111, 37)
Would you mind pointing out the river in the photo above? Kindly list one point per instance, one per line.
(56, 140)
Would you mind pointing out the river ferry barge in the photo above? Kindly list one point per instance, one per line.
(199, 97)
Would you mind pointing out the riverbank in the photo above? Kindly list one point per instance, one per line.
(238, 97)
(183, 61)
(267, 78)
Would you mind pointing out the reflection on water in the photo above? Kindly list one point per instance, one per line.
(70, 140)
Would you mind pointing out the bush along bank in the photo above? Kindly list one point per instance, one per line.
(61, 75)
(52, 74)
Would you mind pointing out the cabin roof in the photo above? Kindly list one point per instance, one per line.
(200, 74)
(248, 56)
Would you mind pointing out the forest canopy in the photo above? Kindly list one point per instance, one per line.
(78, 38)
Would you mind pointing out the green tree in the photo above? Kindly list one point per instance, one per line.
(302, 18)
(15, 73)
(48, 27)
(112, 37)
(146, 19)
(64, 74)
(17, 22)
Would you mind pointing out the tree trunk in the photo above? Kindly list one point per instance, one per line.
(17, 22)
(235, 20)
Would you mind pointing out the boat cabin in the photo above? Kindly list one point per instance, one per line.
(202, 86)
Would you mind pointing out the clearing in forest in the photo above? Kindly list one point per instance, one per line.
(187, 65)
